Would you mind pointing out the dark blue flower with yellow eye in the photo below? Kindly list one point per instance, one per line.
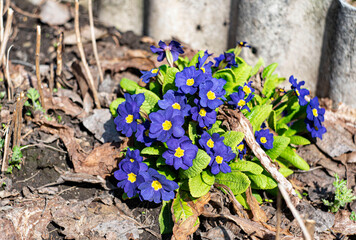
(156, 187)
(142, 134)
(133, 157)
(265, 138)
(206, 117)
(147, 75)
(248, 90)
(180, 153)
(226, 60)
(205, 67)
(175, 100)
(129, 178)
(241, 147)
(128, 113)
(210, 91)
(174, 47)
(243, 44)
(315, 128)
(300, 92)
(220, 156)
(207, 142)
(314, 112)
(166, 123)
(239, 101)
(188, 80)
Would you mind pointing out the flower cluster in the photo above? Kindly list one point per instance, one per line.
(240, 98)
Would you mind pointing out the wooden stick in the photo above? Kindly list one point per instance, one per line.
(38, 74)
(10, 15)
(279, 215)
(294, 212)
(95, 49)
(59, 55)
(82, 56)
(1, 20)
(51, 78)
(10, 89)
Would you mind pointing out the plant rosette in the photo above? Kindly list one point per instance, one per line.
(181, 148)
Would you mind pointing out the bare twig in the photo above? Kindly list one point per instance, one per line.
(51, 78)
(6, 148)
(43, 145)
(25, 180)
(59, 55)
(1, 20)
(294, 211)
(10, 15)
(38, 74)
(82, 56)
(279, 215)
(17, 119)
(10, 89)
(27, 14)
(95, 49)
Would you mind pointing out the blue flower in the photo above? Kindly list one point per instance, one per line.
(226, 60)
(128, 113)
(142, 134)
(176, 101)
(129, 178)
(220, 156)
(241, 147)
(147, 75)
(210, 91)
(133, 157)
(300, 92)
(239, 101)
(180, 153)
(156, 187)
(243, 44)
(165, 123)
(248, 90)
(314, 112)
(188, 80)
(205, 68)
(206, 117)
(315, 128)
(208, 142)
(174, 47)
(264, 138)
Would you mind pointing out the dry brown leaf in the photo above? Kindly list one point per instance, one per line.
(121, 64)
(343, 224)
(66, 105)
(258, 214)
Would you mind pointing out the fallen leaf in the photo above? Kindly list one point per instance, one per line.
(343, 224)
(71, 94)
(66, 105)
(71, 39)
(54, 13)
(121, 64)
(258, 214)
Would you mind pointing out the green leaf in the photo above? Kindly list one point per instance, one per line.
(216, 130)
(200, 162)
(259, 64)
(152, 151)
(246, 166)
(114, 105)
(269, 70)
(230, 78)
(33, 94)
(232, 139)
(292, 157)
(208, 177)
(285, 171)
(198, 187)
(258, 115)
(272, 120)
(279, 145)
(237, 181)
(156, 87)
(242, 73)
(165, 218)
(299, 140)
(241, 198)
(169, 80)
(270, 85)
(168, 172)
(261, 181)
(181, 210)
(192, 131)
(151, 100)
(129, 85)
(182, 63)
(195, 58)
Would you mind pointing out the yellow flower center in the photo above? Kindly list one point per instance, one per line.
(316, 128)
(132, 160)
(190, 81)
(241, 103)
(241, 147)
(219, 159)
(297, 92)
(315, 112)
(247, 90)
(241, 43)
(263, 140)
(156, 185)
(202, 112)
(210, 95)
(166, 125)
(129, 118)
(154, 70)
(131, 177)
(179, 152)
(147, 132)
(176, 106)
(210, 143)
(203, 69)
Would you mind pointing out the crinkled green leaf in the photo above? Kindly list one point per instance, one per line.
(232, 139)
(129, 85)
(270, 85)
(258, 115)
(259, 64)
(114, 105)
(151, 100)
(195, 58)
(156, 87)
(292, 157)
(242, 73)
(169, 80)
(200, 162)
(279, 145)
(198, 187)
(168, 172)
(208, 177)
(182, 63)
(165, 218)
(181, 210)
(241, 198)
(237, 181)
(152, 150)
(269, 70)
(192, 131)
(246, 166)
(272, 120)
(299, 140)
(33, 94)
(216, 130)
(261, 181)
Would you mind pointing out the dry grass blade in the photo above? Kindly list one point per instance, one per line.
(59, 55)
(82, 56)
(10, 15)
(38, 74)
